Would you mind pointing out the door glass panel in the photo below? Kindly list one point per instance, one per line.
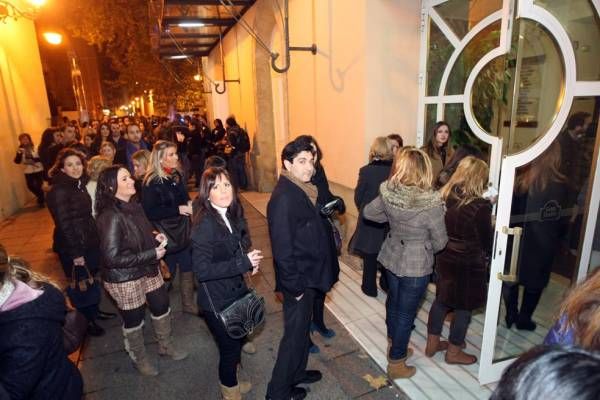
(489, 98)
(482, 43)
(438, 55)
(580, 20)
(539, 89)
(549, 203)
(430, 120)
(462, 15)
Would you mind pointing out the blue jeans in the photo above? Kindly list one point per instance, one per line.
(182, 258)
(403, 300)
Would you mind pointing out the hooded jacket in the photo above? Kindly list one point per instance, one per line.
(417, 228)
(33, 360)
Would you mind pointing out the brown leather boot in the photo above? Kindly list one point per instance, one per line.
(188, 303)
(397, 369)
(455, 355)
(434, 344)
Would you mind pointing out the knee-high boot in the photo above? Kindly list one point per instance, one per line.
(134, 345)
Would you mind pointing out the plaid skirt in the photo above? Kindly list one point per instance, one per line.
(131, 295)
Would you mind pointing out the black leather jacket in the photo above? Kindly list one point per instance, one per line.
(127, 245)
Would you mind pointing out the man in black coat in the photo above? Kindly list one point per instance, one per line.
(302, 266)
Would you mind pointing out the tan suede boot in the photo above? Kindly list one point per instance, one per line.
(162, 330)
(134, 345)
(434, 344)
(186, 286)
(455, 355)
(397, 369)
(231, 393)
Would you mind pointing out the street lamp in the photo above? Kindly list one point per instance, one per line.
(53, 38)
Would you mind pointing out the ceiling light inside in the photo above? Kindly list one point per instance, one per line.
(179, 57)
(190, 24)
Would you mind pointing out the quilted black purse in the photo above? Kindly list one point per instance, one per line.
(242, 316)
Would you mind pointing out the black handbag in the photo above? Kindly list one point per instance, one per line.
(83, 291)
(242, 316)
(177, 230)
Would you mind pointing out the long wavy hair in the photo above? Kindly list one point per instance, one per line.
(201, 204)
(17, 269)
(430, 148)
(536, 176)
(412, 167)
(59, 164)
(582, 311)
(107, 188)
(155, 169)
(468, 181)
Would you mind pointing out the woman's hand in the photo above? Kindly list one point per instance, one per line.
(160, 252)
(79, 261)
(185, 210)
(160, 237)
(255, 256)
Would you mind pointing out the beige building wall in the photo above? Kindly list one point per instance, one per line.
(23, 106)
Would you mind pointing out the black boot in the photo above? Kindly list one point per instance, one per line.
(510, 294)
(369, 278)
(531, 298)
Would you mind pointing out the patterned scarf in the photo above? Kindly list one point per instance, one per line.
(307, 187)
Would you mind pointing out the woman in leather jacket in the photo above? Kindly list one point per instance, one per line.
(220, 261)
(129, 253)
(75, 235)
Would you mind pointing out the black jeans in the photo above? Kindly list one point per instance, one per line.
(237, 167)
(230, 350)
(183, 258)
(319, 310)
(369, 278)
(34, 184)
(458, 327)
(292, 356)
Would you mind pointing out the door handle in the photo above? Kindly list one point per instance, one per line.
(514, 257)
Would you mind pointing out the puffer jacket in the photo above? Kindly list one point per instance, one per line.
(33, 360)
(417, 228)
(127, 244)
(71, 208)
(219, 261)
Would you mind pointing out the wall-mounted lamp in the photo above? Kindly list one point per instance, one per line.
(53, 38)
(9, 10)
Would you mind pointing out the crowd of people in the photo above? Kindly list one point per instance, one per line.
(124, 216)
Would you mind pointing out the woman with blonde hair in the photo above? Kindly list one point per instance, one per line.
(167, 204)
(140, 160)
(461, 269)
(369, 235)
(34, 363)
(417, 231)
(108, 150)
(95, 165)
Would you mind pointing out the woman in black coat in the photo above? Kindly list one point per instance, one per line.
(130, 252)
(369, 235)
(324, 196)
(75, 235)
(33, 360)
(462, 267)
(220, 262)
(165, 198)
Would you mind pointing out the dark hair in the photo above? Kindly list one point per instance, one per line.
(47, 138)
(215, 162)
(577, 119)
(107, 188)
(397, 138)
(218, 123)
(230, 121)
(201, 204)
(430, 147)
(311, 140)
(62, 156)
(293, 148)
(67, 125)
(551, 373)
(28, 136)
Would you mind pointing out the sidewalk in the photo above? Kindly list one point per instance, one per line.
(108, 373)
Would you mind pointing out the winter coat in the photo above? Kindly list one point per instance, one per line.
(369, 235)
(127, 244)
(462, 267)
(161, 199)
(71, 208)
(33, 360)
(437, 164)
(300, 243)
(538, 213)
(219, 261)
(417, 228)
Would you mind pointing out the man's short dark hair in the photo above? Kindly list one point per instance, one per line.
(293, 148)
(215, 162)
(577, 119)
(230, 121)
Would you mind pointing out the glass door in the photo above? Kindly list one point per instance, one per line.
(521, 81)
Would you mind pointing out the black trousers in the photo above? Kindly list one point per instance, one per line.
(458, 327)
(531, 298)
(34, 184)
(292, 356)
(230, 350)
